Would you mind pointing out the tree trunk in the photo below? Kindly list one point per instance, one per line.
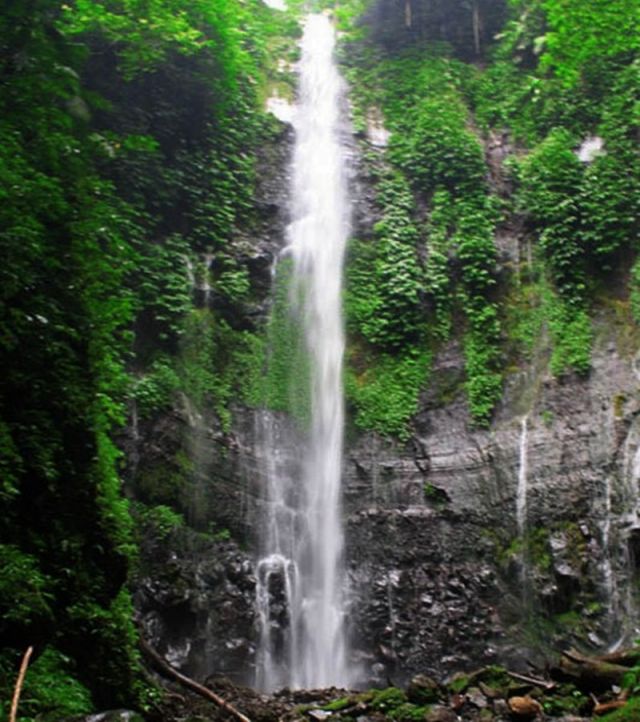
(589, 673)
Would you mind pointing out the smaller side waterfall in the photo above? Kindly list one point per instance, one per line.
(631, 482)
(276, 587)
(521, 503)
(521, 494)
(610, 587)
(620, 526)
(619, 506)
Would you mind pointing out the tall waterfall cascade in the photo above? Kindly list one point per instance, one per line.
(300, 579)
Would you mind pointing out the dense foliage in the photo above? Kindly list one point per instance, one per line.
(128, 131)
(128, 138)
(547, 83)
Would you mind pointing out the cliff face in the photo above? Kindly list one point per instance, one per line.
(442, 574)
(433, 535)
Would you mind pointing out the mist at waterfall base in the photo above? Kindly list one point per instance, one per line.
(300, 579)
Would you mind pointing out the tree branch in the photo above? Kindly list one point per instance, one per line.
(164, 668)
(19, 682)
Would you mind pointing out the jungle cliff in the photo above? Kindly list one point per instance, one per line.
(491, 364)
(492, 308)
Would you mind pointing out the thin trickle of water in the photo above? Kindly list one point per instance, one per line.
(207, 260)
(300, 590)
(134, 456)
(620, 522)
(392, 581)
(607, 564)
(631, 481)
(521, 494)
(521, 501)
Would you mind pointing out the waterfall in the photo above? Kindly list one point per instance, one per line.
(620, 524)
(610, 586)
(521, 503)
(300, 582)
(631, 481)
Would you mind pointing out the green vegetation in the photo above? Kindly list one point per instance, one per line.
(129, 132)
(384, 279)
(409, 712)
(385, 393)
(566, 700)
(385, 700)
(392, 702)
(439, 160)
(580, 218)
(51, 689)
(160, 521)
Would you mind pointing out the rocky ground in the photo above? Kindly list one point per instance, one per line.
(568, 691)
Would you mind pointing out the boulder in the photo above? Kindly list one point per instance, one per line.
(525, 707)
(423, 690)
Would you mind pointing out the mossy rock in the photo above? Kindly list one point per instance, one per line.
(494, 677)
(339, 704)
(423, 690)
(566, 699)
(161, 484)
(355, 701)
(409, 712)
(388, 699)
(458, 683)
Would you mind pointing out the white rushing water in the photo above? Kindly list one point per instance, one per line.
(300, 578)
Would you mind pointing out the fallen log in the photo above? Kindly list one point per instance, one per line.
(164, 668)
(589, 673)
(604, 707)
(626, 657)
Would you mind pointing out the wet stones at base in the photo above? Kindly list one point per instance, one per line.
(491, 694)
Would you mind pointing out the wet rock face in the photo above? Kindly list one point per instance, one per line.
(442, 578)
(260, 244)
(195, 600)
(428, 604)
(259, 236)
(433, 551)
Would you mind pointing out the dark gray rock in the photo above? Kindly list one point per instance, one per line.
(441, 714)
(195, 601)
(423, 690)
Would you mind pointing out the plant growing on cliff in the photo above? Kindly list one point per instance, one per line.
(551, 178)
(434, 150)
(385, 393)
(384, 279)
